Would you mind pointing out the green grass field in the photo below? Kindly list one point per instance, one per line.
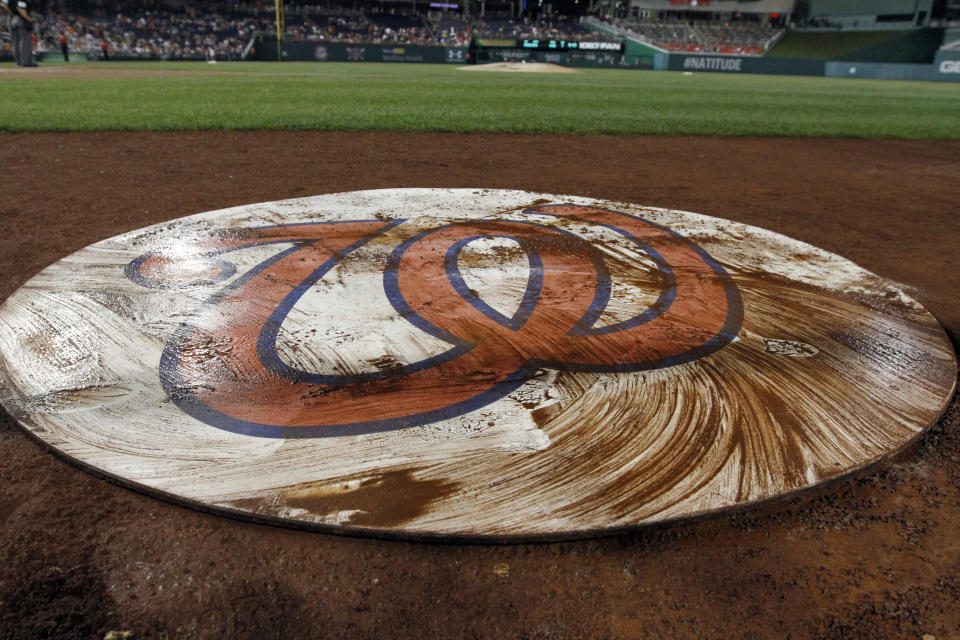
(422, 97)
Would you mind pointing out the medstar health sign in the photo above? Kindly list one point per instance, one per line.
(467, 363)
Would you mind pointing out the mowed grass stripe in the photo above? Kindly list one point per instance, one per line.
(419, 97)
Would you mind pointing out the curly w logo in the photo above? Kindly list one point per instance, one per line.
(224, 367)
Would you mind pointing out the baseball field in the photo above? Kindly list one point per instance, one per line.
(422, 97)
(864, 169)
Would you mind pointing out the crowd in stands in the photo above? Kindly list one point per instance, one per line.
(736, 37)
(395, 27)
(404, 26)
(816, 23)
(744, 38)
(224, 32)
(168, 30)
(548, 27)
(189, 33)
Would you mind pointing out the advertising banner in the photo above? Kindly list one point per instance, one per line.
(714, 63)
(302, 50)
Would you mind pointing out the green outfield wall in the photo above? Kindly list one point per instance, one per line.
(916, 46)
(639, 53)
(302, 50)
(493, 51)
(945, 66)
(947, 71)
(573, 53)
(709, 63)
(582, 59)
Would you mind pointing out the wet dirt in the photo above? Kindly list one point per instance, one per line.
(874, 556)
(385, 499)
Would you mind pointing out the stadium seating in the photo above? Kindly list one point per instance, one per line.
(745, 38)
(550, 27)
(452, 32)
(225, 31)
(164, 34)
(224, 35)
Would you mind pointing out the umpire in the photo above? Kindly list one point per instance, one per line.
(21, 26)
(5, 26)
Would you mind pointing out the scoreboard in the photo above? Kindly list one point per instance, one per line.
(549, 45)
(570, 45)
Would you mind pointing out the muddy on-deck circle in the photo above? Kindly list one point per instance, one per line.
(463, 363)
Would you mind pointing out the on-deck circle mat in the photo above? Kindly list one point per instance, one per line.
(467, 363)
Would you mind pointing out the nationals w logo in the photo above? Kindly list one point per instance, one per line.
(221, 364)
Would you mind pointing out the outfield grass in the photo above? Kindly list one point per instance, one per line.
(421, 97)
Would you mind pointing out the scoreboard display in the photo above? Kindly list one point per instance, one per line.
(570, 45)
(574, 53)
(549, 45)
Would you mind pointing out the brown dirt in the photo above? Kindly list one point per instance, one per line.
(527, 67)
(876, 556)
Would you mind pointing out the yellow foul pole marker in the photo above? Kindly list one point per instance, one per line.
(281, 27)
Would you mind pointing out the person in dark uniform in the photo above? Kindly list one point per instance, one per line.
(6, 17)
(64, 46)
(21, 29)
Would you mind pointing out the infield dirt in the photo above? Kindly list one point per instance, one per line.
(876, 556)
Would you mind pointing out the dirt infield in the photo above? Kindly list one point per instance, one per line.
(528, 67)
(876, 556)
